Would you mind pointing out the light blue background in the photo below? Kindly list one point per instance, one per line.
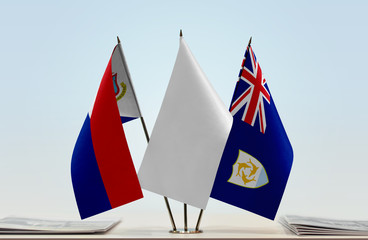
(312, 53)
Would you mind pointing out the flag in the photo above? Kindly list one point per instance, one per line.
(258, 156)
(188, 137)
(102, 170)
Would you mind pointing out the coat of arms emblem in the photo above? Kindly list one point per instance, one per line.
(119, 94)
(248, 172)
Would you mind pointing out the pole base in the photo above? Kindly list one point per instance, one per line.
(182, 231)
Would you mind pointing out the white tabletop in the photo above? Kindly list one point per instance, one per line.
(215, 226)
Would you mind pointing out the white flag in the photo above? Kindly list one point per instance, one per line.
(188, 138)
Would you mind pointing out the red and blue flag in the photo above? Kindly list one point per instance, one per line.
(258, 156)
(102, 170)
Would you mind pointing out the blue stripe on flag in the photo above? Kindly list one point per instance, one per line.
(248, 62)
(89, 189)
(126, 119)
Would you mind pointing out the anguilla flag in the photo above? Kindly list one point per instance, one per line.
(102, 169)
(258, 156)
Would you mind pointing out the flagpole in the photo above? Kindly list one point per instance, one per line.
(143, 125)
(145, 129)
(185, 205)
(165, 198)
(185, 218)
(199, 220)
(170, 214)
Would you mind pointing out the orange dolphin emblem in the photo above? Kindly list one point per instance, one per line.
(240, 166)
(254, 168)
(246, 180)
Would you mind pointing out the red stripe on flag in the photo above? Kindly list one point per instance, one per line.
(111, 148)
(261, 117)
(244, 95)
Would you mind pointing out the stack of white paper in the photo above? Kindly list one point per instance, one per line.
(43, 226)
(322, 226)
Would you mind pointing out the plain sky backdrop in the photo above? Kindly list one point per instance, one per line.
(312, 53)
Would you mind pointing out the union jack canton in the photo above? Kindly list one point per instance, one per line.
(250, 92)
